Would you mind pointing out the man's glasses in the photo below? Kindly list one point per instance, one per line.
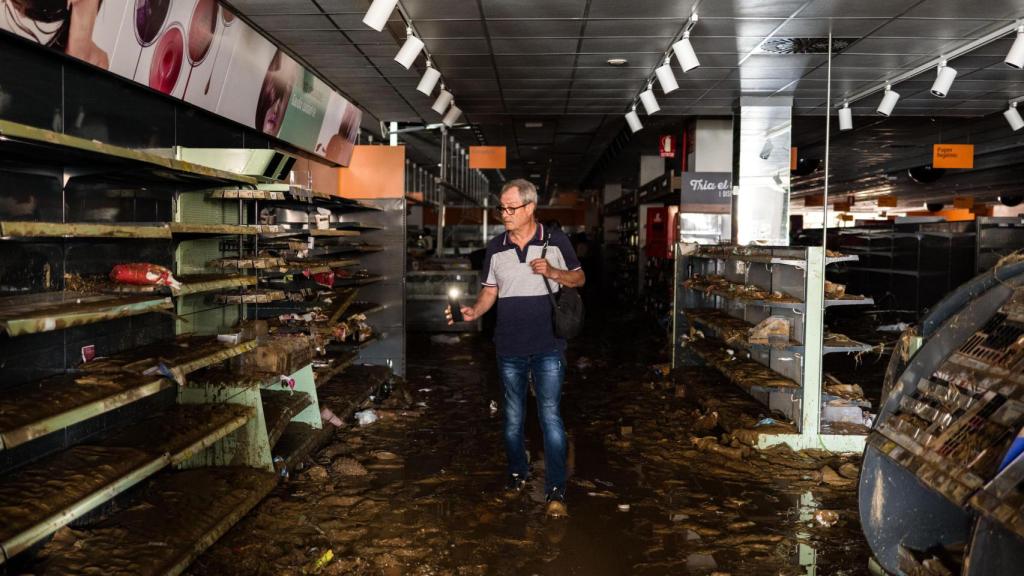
(510, 210)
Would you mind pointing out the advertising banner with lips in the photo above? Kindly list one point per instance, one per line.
(197, 51)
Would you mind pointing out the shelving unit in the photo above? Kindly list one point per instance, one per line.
(724, 292)
(109, 386)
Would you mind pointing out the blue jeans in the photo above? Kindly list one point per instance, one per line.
(548, 374)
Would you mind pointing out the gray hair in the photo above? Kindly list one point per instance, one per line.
(527, 191)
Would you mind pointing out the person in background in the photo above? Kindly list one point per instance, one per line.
(513, 276)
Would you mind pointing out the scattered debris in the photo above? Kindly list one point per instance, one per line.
(316, 473)
(897, 327)
(366, 417)
(623, 507)
(849, 470)
(832, 478)
(348, 467)
(826, 518)
(444, 339)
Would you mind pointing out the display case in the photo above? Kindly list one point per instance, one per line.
(756, 314)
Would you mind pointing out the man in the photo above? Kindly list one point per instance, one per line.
(513, 277)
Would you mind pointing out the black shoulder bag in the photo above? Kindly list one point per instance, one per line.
(567, 308)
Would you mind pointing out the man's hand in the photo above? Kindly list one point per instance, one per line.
(468, 314)
(542, 267)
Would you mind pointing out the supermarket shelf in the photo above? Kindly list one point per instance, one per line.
(36, 146)
(339, 363)
(743, 372)
(40, 408)
(179, 515)
(782, 256)
(734, 291)
(279, 407)
(257, 296)
(190, 284)
(295, 196)
(49, 493)
(49, 311)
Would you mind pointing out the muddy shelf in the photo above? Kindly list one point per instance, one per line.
(297, 197)
(298, 441)
(127, 230)
(364, 281)
(178, 358)
(736, 292)
(190, 284)
(346, 392)
(36, 146)
(338, 364)
(43, 496)
(285, 232)
(255, 296)
(177, 516)
(735, 332)
(279, 407)
(795, 257)
(33, 410)
(277, 265)
(322, 250)
(743, 372)
(366, 308)
(48, 311)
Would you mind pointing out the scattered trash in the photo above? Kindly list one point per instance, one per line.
(680, 391)
(320, 563)
(385, 455)
(603, 482)
(493, 407)
(366, 417)
(662, 370)
(826, 518)
(832, 478)
(280, 467)
(897, 327)
(710, 444)
(679, 517)
(692, 536)
(143, 274)
(773, 330)
(583, 363)
(444, 339)
(425, 390)
(287, 382)
(697, 562)
(706, 421)
(317, 473)
(765, 422)
(623, 507)
(329, 417)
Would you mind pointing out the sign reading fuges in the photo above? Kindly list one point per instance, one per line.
(667, 146)
(953, 156)
(706, 192)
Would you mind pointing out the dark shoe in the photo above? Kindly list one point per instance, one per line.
(515, 485)
(556, 503)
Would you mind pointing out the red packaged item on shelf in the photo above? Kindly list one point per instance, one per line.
(143, 274)
(324, 279)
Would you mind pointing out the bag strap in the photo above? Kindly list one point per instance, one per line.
(543, 254)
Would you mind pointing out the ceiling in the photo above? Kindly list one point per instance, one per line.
(510, 62)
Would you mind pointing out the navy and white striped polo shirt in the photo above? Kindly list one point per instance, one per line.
(525, 325)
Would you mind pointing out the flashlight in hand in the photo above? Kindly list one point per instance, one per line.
(453, 302)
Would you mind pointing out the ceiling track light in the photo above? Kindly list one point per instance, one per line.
(888, 101)
(649, 101)
(1013, 117)
(666, 77)
(944, 76)
(845, 118)
(952, 54)
(444, 99)
(379, 13)
(1015, 57)
(633, 119)
(685, 54)
(429, 80)
(410, 50)
(454, 112)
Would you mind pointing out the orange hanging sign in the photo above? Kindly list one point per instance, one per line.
(814, 200)
(487, 157)
(887, 202)
(793, 158)
(841, 206)
(953, 156)
(964, 202)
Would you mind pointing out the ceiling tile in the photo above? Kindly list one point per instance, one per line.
(534, 28)
(293, 22)
(354, 21)
(645, 60)
(545, 60)
(864, 9)
(750, 9)
(751, 27)
(533, 8)
(457, 46)
(626, 44)
(437, 9)
(819, 27)
(251, 7)
(305, 37)
(445, 61)
(534, 72)
(450, 29)
(534, 45)
(993, 9)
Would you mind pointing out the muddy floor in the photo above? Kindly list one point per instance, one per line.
(658, 484)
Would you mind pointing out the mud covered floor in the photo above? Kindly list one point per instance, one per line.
(652, 490)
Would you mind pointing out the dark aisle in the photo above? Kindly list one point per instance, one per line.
(418, 492)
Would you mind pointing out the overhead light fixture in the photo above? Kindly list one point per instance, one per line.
(766, 149)
(684, 50)
(452, 116)
(845, 118)
(617, 61)
(378, 14)
(666, 77)
(444, 98)
(410, 50)
(1015, 57)
(1013, 117)
(888, 101)
(429, 80)
(649, 101)
(943, 80)
(633, 119)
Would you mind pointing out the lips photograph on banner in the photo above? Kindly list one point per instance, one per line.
(197, 51)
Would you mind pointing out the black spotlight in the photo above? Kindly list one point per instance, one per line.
(806, 166)
(934, 206)
(1011, 200)
(925, 174)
